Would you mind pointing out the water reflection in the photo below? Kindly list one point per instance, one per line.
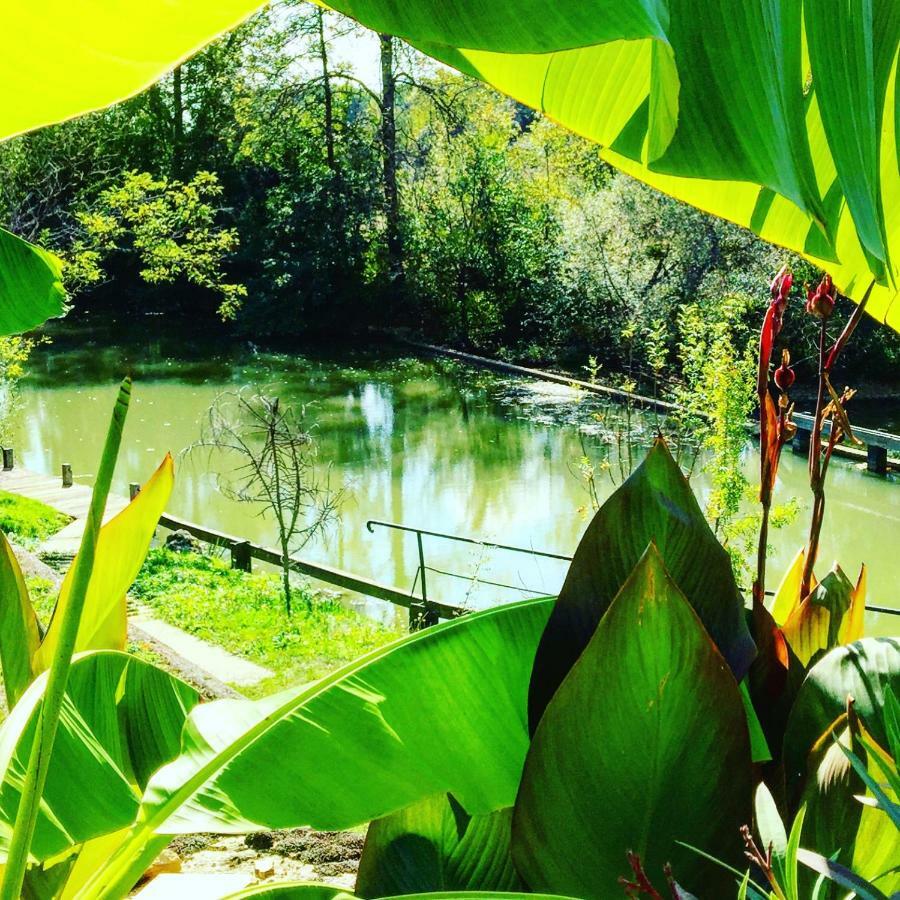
(416, 442)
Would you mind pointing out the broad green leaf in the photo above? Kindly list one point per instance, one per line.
(121, 720)
(644, 744)
(655, 504)
(864, 670)
(289, 891)
(776, 115)
(59, 60)
(121, 549)
(31, 288)
(443, 710)
(435, 845)
(19, 634)
(33, 784)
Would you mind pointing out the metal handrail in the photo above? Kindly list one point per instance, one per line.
(419, 532)
(371, 523)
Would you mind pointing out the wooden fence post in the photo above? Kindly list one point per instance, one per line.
(8, 459)
(133, 489)
(240, 556)
(876, 459)
(801, 441)
(67, 475)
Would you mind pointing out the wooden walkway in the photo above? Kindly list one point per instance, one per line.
(74, 501)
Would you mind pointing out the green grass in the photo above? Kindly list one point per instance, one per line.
(244, 613)
(28, 518)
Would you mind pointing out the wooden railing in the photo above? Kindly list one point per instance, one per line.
(422, 611)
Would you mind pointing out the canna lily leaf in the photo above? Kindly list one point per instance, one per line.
(31, 288)
(121, 549)
(837, 825)
(769, 114)
(866, 670)
(645, 744)
(95, 54)
(854, 621)
(441, 710)
(121, 720)
(655, 504)
(816, 623)
(787, 595)
(19, 633)
(435, 845)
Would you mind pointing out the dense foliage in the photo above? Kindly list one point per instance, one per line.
(264, 178)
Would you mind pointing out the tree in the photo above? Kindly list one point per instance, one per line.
(275, 469)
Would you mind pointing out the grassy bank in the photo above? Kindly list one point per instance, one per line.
(29, 520)
(244, 613)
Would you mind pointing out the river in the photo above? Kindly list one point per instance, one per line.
(421, 442)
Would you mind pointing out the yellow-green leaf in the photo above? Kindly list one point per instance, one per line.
(121, 548)
(59, 60)
(19, 637)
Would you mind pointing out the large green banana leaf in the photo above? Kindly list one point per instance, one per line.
(779, 115)
(121, 720)
(441, 710)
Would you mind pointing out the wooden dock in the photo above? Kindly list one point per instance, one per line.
(74, 501)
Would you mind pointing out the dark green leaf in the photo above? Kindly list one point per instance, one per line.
(863, 670)
(644, 744)
(435, 845)
(655, 504)
(840, 875)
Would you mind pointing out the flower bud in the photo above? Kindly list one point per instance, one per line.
(781, 285)
(820, 302)
(784, 374)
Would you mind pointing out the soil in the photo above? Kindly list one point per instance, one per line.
(297, 854)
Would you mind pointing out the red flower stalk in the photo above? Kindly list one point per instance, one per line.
(775, 427)
(821, 303)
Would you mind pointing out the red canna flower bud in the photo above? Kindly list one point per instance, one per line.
(784, 374)
(781, 285)
(820, 302)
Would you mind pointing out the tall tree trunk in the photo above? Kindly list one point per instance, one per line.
(177, 125)
(328, 98)
(389, 166)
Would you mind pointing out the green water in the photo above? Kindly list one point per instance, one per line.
(413, 441)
